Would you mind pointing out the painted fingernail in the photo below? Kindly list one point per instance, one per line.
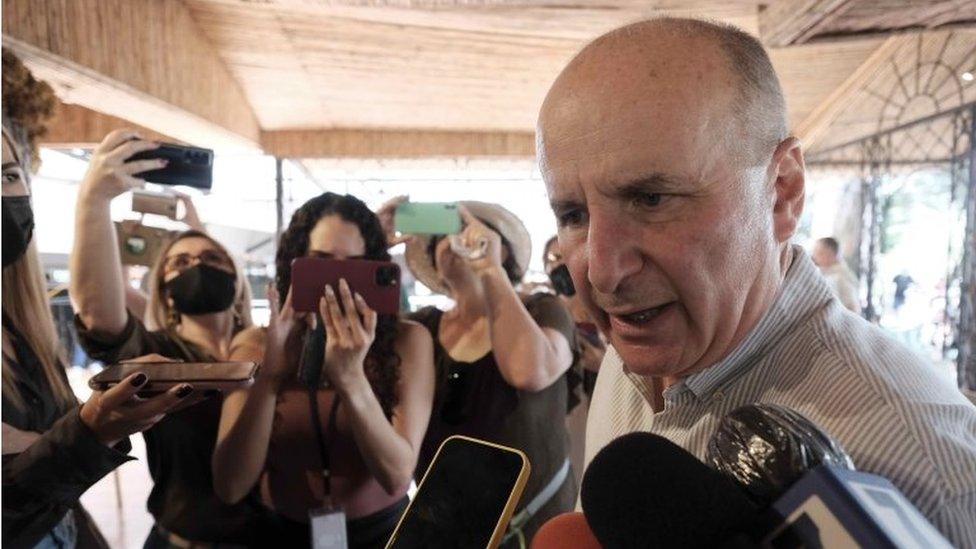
(328, 290)
(359, 297)
(139, 380)
(184, 391)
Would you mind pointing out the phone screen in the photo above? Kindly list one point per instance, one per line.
(463, 497)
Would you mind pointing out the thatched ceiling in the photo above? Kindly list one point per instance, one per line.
(307, 77)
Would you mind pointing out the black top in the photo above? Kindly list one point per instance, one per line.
(43, 482)
(473, 399)
(179, 448)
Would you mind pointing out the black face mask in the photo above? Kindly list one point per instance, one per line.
(202, 289)
(18, 227)
(561, 281)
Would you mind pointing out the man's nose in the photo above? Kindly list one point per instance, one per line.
(613, 252)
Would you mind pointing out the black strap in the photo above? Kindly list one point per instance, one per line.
(323, 439)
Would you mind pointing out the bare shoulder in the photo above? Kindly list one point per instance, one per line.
(413, 342)
(254, 335)
(252, 338)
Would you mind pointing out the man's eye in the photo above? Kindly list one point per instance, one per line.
(11, 177)
(648, 200)
(571, 218)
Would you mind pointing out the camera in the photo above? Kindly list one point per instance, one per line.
(387, 275)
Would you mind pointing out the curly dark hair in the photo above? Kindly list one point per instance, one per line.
(382, 364)
(510, 265)
(28, 103)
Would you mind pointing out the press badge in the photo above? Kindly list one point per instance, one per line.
(328, 528)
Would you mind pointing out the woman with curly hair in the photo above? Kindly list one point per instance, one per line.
(372, 411)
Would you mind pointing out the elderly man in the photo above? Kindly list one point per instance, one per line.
(676, 189)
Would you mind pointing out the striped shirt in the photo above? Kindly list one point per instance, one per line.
(886, 406)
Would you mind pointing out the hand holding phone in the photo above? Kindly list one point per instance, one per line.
(183, 165)
(163, 376)
(112, 170)
(118, 411)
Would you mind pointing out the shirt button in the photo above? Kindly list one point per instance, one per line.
(718, 396)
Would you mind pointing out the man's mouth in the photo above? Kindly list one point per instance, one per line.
(643, 316)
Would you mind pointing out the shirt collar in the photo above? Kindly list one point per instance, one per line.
(803, 291)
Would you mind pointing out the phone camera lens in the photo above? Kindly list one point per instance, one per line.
(387, 276)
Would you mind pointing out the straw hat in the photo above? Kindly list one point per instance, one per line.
(510, 227)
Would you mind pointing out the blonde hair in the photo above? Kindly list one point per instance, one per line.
(160, 314)
(26, 304)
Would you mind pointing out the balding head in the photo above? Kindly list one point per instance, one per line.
(664, 150)
(712, 62)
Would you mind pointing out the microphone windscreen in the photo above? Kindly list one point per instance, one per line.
(565, 531)
(642, 490)
(766, 448)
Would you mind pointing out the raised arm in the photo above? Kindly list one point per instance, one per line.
(247, 415)
(97, 289)
(389, 447)
(529, 357)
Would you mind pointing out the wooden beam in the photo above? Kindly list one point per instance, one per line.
(815, 125)
(350, 143)
(74, 126)
(145, 61)
(790, 22)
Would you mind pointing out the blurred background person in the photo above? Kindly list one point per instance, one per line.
(902, 282)
(589, 351)
(370, 414)
(52, 450)
(826, 255)
(201, 300)
(501, 359)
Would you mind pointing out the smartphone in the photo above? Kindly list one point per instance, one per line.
(166, 375)
(139, 244)
(190, 166)
(377, 281)
(149, 202)
(465, 499)
(427, 218)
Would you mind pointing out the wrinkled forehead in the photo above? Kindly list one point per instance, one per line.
(620, 120)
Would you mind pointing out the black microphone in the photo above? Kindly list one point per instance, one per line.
(642, 490)
(815, 498)
(766, 448)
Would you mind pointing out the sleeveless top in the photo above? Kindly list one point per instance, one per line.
(292, 482)
(473, 399)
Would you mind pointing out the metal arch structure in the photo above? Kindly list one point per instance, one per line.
(944, 140)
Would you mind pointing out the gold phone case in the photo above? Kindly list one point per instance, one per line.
(513, 497)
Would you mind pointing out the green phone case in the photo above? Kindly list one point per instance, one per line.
(427, 218)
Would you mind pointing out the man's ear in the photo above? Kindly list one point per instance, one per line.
(789, 186)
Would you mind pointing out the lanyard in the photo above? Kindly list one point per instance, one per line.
(324, 439)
